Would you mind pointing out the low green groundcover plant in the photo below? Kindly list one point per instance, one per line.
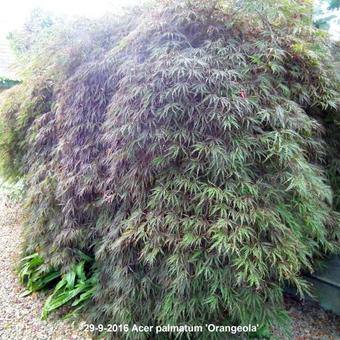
(34, 275)
(183, 147)
(74, 287)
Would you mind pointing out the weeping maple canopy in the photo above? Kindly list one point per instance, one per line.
(181, 145)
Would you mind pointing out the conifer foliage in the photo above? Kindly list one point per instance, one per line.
(178, 145)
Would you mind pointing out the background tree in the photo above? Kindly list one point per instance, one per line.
(39, 22)
(324, 12)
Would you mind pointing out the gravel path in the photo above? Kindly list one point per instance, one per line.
(310, 322)
(20, 316)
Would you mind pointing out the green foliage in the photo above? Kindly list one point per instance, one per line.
(262, 333)
(75, 288)
(332, 124)
(34, 275)
(7, 83)
(322, 16)
(20, 106)
(183, 147)
(333, 4)
(39, 24)
(15, 192)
